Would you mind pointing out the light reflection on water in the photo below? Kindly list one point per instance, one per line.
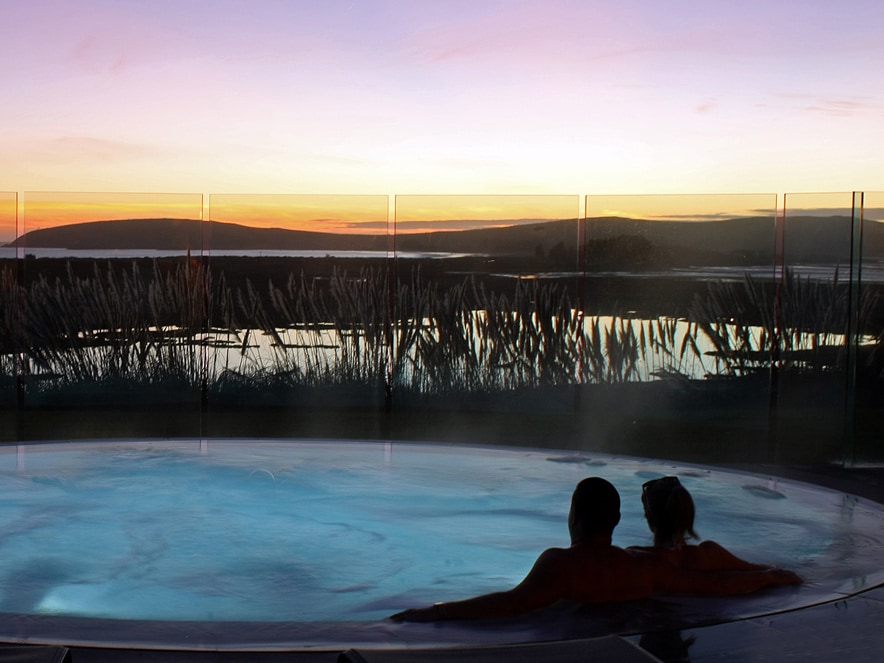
(9, 252)
(251, 351)
(303, 349)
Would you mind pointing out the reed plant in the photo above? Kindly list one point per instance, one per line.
(184, 324)
(10, 327)
(112, 326)
(801, 325)
(333, 334)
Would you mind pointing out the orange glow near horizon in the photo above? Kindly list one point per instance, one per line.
(52, 209)
(818, 204)
(689, 207)
(362, 214)
(373, 214)
(8, 216)
(873, 204)
(416, 213)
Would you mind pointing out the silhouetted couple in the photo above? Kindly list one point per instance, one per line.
(592, 570)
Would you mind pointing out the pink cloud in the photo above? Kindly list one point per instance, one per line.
(844, 107)
(81, 149)
(705, 107)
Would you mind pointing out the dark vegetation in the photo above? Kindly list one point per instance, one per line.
(524, 330)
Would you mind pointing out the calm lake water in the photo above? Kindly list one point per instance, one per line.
(872, 269)
(10, 252)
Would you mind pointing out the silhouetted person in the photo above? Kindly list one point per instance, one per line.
(669, 510)
(592, 570)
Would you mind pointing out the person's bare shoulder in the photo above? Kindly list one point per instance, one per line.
(611, 574)
(653, 556)
(640, 549)
(712, 555)
(553, 562)
(710, 546)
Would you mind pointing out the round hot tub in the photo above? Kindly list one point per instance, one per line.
(263, 545)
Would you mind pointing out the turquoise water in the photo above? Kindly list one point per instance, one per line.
(334, 531)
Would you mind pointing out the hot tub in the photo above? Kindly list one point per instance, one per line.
(285, 545)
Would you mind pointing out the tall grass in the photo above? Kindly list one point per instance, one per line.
(334, 334)
(113, 326)
(10, 327)
(186, 325)
(800, 326)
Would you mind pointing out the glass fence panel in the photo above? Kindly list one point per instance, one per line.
(676, 343)
(9, 315)
(813, 313)
(298, 311)
(486, 311)
(868, 379)
(113, 314)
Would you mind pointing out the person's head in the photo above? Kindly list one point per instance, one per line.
(669, 510)
(595, 508)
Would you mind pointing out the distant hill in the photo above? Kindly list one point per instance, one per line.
(179, 234)
(814, 239)
(610, 239)
(193, 234)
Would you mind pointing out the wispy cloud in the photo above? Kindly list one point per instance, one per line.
(79, 149)
(831, 106)
(845, 107)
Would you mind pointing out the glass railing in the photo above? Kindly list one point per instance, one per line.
(701, 327)
(112, 314)
(679, 294)
(485, 309)
(9, 317)
(298, 313)
(865, 366)
(812, 317)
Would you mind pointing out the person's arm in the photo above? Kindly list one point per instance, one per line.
(671, 580)
(543, 586)
(717, 556)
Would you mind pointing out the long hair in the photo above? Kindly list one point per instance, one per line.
(669, 510)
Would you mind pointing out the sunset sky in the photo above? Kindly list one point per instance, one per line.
(419, 97)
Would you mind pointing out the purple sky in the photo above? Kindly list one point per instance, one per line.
(582, 97)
